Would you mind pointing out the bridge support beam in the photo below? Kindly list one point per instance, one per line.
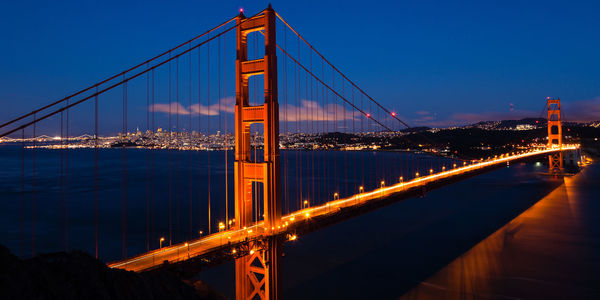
(257, 273)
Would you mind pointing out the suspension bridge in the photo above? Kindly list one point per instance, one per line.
(217, 111)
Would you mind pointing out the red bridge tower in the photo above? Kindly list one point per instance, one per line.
(554, 135)
(256, 273)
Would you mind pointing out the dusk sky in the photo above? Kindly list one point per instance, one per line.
(435, 63)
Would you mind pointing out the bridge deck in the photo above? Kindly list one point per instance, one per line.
(209, 243)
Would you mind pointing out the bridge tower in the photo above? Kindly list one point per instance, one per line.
(554, 135)
(257, 273)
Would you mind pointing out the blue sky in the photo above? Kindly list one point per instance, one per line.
(436, 63)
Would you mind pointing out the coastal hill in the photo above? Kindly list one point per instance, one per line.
(77, 275)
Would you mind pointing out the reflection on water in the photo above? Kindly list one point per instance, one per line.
(549, 251)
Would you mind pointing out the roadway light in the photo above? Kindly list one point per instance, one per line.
(454, 165)
(221, 226)
(162, 239)
(361, 189)
(430, 171)
(401, 179)
(382, 184)
(188, 249)
(200, 232)
(336, 196)
(417, 174)
(443, 168)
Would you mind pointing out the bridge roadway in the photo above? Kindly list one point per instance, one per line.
(233, 237)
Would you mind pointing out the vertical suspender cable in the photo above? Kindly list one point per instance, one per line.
(96, 173)
(257, 101)
(312, 132)
(335, 130)
(177, 152)
(61, 180)
(190, 142)
(200, 181)
(23, 192)
(147, 150)
(152, 162)
(362, 130)
(345, 150)
(323, 124)
(170, 131)
(220, 112)
(124, 172)
(33, 189)
(67, 181)
(208, 127)
(226, 139)
(298, 129)
(285, 124)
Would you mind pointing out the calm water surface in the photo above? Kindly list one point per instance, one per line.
(167, 191)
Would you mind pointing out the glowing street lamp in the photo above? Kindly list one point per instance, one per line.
(305, 204)
(382, 184)
(200, 232)
(221, 226)
(454, 165)
(417, 175)
(443, 168)
(430, 171)
(188, 249)
(336, 196)
(162, 239)
(401, 179)
(361, 189)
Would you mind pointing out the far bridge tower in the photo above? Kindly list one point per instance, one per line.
(554, 135)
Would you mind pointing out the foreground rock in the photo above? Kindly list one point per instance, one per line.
(77, 275)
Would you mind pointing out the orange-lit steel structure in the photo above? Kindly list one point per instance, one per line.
(554, 135)
(256, 273)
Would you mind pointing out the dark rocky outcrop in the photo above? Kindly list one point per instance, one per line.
(77, 275)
